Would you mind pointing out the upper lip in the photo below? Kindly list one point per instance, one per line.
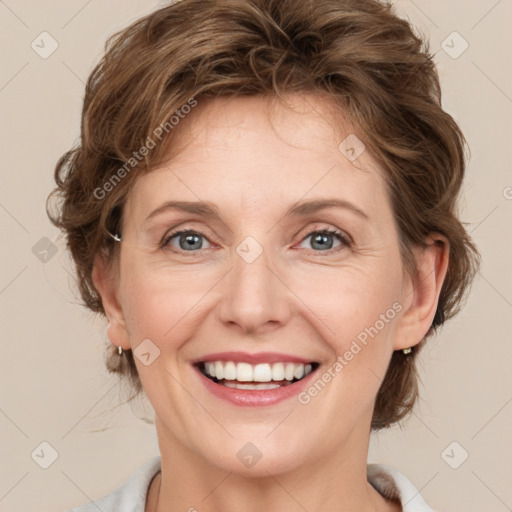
(256, 358)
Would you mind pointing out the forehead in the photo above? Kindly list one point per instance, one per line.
(251, 151)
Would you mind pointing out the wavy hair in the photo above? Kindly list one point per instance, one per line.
(359, 53)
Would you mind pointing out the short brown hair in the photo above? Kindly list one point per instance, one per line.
(359, 53)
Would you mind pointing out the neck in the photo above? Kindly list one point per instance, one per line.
(336, 481)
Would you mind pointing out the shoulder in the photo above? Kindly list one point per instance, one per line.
(130, 496)
(394, 485)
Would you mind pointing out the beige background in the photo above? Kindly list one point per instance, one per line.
(54, 386)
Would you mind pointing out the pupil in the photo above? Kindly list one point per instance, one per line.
(190, 239)
(323, 240)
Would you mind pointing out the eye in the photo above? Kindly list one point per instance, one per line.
(323, 240)
(187, 240)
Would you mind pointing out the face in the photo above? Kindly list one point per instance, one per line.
(289, 264)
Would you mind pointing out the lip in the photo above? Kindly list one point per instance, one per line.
(258, 358)
(253, 397)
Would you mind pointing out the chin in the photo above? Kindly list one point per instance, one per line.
(258, 456)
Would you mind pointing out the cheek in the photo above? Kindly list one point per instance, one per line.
(158, 306)
(356, 314)
(349, 300)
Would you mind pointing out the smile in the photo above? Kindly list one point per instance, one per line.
(263, 376)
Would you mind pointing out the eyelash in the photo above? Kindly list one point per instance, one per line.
(342, 237)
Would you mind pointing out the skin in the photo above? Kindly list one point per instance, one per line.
(253, 160)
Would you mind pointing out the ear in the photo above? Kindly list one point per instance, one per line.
(420, 294)
(105, 282)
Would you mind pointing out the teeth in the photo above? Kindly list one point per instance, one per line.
(289, 371)
(219, 370)
(262, 373)
(230, 371)
(298, 373)
(263, 385)
(245, 372)
(278, 371)
(210, 368)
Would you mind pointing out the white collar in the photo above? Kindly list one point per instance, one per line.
(131, 496)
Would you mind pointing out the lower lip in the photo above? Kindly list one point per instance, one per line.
(254, 397)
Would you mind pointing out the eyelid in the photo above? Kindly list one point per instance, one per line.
(345, 239)
(173, 233)
(188, 225)
(324, 226)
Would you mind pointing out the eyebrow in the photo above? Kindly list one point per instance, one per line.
(302, 208)
(309, 207)
(198, 207)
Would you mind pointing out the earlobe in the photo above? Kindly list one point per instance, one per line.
(105, 284)
(421, 292)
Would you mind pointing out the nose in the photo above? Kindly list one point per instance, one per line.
(255, 298)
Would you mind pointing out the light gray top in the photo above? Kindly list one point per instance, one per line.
(131, 496)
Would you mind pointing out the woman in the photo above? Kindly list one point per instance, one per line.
(262, 205)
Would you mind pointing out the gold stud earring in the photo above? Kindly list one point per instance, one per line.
(120, 350)
(407, 350)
